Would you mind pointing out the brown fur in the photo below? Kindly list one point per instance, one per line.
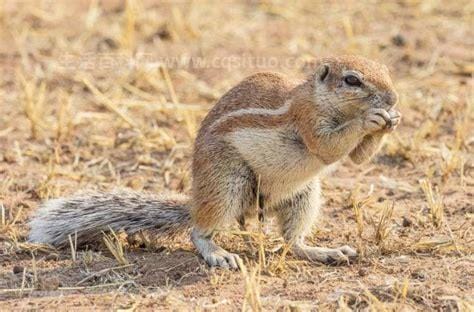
(308, 114)
(268, 128)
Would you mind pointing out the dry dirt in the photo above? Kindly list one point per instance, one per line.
(99, 94)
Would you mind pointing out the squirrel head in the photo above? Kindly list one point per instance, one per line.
(352, 84)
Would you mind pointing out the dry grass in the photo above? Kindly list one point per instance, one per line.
(104, 94)
(115, 245)
(73, 245)
(383, 226)
(358, 204)
(252, 300)
(435, 202)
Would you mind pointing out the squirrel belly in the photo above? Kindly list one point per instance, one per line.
(89, 213)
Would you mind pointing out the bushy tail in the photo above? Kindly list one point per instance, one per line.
(90, 213)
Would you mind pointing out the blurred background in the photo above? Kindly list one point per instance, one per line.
(104, 94)
(102, 72)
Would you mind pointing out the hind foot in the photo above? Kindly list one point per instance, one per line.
(214, 255)
(325, 255)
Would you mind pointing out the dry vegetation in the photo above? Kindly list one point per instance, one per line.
(93, 95)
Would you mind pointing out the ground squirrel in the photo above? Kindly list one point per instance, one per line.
(267, 133)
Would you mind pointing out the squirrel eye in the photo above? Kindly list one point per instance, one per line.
(353, 81)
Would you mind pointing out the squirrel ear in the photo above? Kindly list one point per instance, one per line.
(322, 71)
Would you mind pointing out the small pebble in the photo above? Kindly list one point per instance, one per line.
(399, 40)
(363, 271)
(17, 269)
(406, 222)
(49, 283)
(419, 275)
(403, 259)
(52, 256)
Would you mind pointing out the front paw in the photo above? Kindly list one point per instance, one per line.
(376, 119)
(395, 118)
(380, 120)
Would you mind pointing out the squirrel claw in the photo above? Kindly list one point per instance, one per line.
(348, 251)
(329, 256)
(378, 119)
(394, 120)
(343, 255)
(222, 259)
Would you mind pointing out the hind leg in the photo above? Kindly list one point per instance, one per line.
(228, 192)
(297, 216)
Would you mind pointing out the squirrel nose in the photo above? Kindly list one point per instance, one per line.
(391, 98)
